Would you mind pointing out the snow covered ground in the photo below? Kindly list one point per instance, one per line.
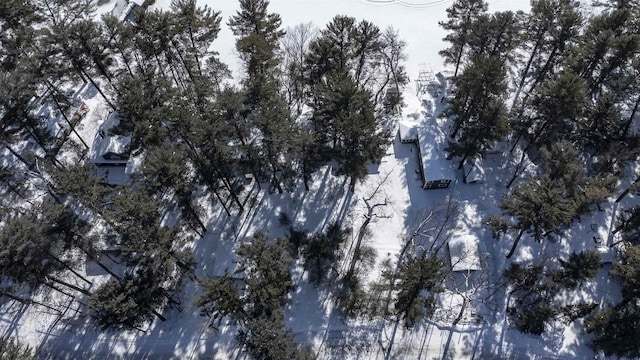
(185, 334)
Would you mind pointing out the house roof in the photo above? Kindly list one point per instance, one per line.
(123, 9)
(113, 175)
(106, 144)
(432, 142)
(408, 131)
(473, 170)
(464, 252)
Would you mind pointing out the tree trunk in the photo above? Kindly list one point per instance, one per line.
(66, 266)
(157, 314)
(70, 286)
(525, 72)
(27, 301)
(519, 168)
(16, 154)
(64, 115)
(515, 244)
(97, 88)
(633, 114)
(458, 60)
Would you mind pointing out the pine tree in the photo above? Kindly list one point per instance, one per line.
(11, 349)
(264, 286)
(616, 328)
(606, 48)
(344, 114)
(196, 29)
(265, 108)
(603, 124)
(34, 255)
(265, 267)
(417, 280)
(555, 110)
(482, 81)
(579, 268)
(489, 125)
(144, 106)
(462, 14)
(259, 33)
(220, 299)
(268, 338)
(128, 302)
(322, 252)
(551, 28)
(496, 35)
(539, 208)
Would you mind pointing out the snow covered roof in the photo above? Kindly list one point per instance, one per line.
(464, 252)
(113, 175)
(124, 9)
(432, 142)
(408, 131)
(110, 149)
(473, 170)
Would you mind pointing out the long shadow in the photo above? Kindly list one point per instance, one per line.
(14, 314)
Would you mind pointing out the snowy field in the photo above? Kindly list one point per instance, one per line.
(483, 333)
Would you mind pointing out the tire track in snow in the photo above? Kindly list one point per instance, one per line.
(408, 4)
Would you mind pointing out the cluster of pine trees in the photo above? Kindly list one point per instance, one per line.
(306, 98)
(571, 79)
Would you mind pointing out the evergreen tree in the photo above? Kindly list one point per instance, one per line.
(268, 338)
(258, 33)
(128, 302)
(606, 48)
(164, 171)
(10, 349)
(551, 28)
(489, 125)
(265, 108)
(220, 299)
(477, 108)
(264, 286)
(555, 110)
(496, 35)
(616, 328)
(539, 208)
(144, 103)
(461, 14)
(344, 114)
(196, 28)
(417, 280)
(321, 252)
(603, 124)
(265, 267)
(483, 81)
(579, 268)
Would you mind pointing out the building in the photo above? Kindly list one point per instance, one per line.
(473, 171)
(111, 154)
(435, 170)
(125, 10)
(408, 132)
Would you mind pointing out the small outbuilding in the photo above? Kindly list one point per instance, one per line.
(111, 149)
(473, 171)
(464, 252)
